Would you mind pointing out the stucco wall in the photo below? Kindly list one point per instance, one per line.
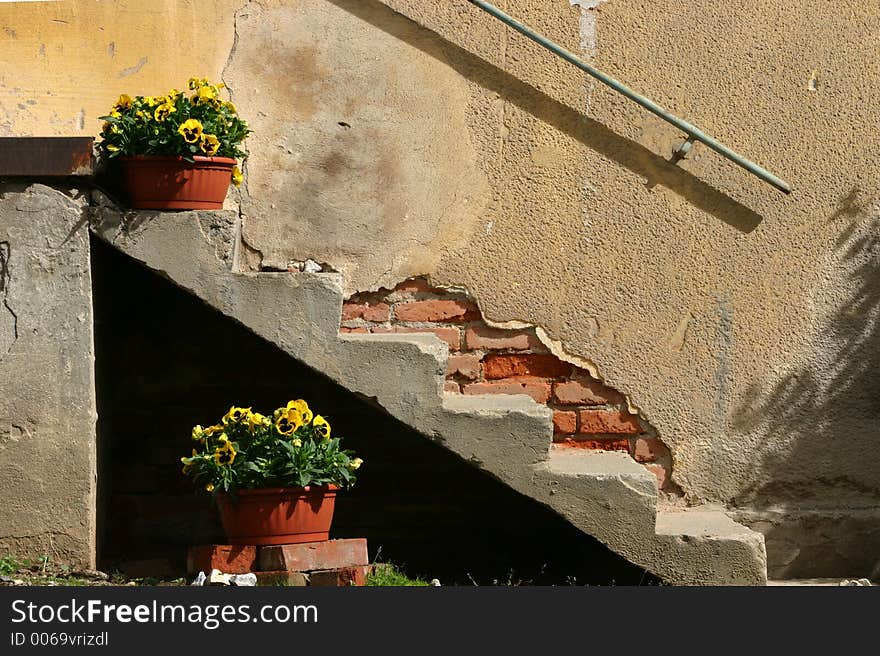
(47, 398)
(410, 137)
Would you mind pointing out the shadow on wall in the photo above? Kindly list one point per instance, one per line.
(166, 361)
(821, 510)
(573, 123)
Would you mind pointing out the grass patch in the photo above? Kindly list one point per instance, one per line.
(389, 575)
(8, 565)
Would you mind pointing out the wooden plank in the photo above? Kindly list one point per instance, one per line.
(46, 156)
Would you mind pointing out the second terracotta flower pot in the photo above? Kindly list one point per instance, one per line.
(278, 515)
(172, 183)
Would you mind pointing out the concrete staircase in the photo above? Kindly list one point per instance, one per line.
(606, 494)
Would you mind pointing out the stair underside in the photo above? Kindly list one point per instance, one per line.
(606, 494)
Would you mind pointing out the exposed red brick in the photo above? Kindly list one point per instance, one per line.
(286, 579)
(413, 285)
(228, 558)
(497, 365)
(328, 554)
(661, 474)
(344, 576)
(603, 422)
(448, 334)
(466, 365)
(537, 388)
(437, 310)
(598, 445)
(585, 392)
(367, 311)
(648, 449)
(564, 421)
(481, 336)
(451, 387)
(344, 329)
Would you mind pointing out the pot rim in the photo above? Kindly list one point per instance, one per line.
(285, 490)
(178, 158)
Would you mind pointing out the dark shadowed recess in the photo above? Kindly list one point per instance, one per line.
(166, 361)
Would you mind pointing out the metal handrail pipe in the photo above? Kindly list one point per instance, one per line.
(693, 132)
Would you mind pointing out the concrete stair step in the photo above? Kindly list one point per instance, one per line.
(605, 494)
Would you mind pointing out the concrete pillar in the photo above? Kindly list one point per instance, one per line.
(47, 381)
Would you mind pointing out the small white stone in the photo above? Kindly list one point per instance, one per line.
(218, 578)
(243, 580)
(200, 579)
(312, 267)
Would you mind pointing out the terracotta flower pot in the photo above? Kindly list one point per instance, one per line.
(278, 515)
(172, 183)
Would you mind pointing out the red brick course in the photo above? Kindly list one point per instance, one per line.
(534, 364)
(376, 312)
(585, 392)
(609, 422)
(564, 422)
(466, 366)
(331, 554)
(649, 449)
(481, 336)
(597, 445)
(342, 577)
(228, 558)
(454, 311)
(537, 388)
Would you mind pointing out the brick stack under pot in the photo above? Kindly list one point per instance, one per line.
(326, 563)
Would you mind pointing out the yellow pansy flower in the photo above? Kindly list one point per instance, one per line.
(321, 427)
(190, 130)
(206, 95)
(297, 442)
(210, 430)
(225, 455)
(230, 107)
(124, 102)
(355, 464)
(302, 408)
(115, 113)
(209, 487)
(198, 433)
(152, 101)
(209, 144)
(236, 415)
(237, 177)
(196, 82)
(288, 421)
(255, 420)
(163, 111)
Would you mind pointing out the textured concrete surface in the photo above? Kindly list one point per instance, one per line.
(47, 398)
(404, 137)
(375, 178)
(607, 495)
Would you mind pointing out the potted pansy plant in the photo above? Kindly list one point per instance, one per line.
(177, 151)
(275, 477)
